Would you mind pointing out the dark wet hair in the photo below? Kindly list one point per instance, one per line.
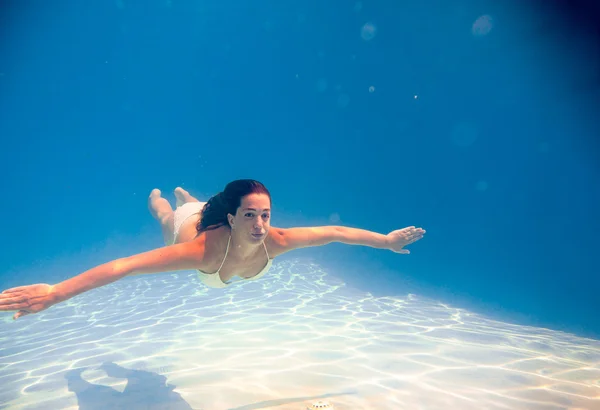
(214, 213)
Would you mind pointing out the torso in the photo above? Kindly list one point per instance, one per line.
(215, 247)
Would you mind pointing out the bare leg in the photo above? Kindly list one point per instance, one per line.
(183, 197)
(162, 211)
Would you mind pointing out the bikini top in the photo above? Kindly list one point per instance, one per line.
(213, 280)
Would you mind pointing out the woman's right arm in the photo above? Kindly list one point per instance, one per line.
(35, 298)
(188, 255)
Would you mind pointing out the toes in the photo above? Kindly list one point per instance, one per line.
(181, 193)
(155, 193)
(179, 196)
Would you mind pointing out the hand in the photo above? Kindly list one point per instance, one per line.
(400, 238)
(27, 299)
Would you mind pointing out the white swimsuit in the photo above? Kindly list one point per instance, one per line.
(213, 280)
(182, 213)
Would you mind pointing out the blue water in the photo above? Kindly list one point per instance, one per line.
(495, 157)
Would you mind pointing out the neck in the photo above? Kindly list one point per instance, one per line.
(242, 248)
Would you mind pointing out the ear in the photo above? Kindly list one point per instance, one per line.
(230, 219)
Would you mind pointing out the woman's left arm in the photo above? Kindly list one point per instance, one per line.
(295, 238)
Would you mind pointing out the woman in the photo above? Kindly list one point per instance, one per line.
(228, 236)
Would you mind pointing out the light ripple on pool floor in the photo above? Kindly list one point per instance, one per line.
(292, 338)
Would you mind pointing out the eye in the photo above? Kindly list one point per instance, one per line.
(266, 216)
(248, 215)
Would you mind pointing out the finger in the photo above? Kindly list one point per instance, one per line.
(7, 301)
(19, 314)
(412, 229)
(410, 239)
(12, 290)
(404, 251)
(14, 306)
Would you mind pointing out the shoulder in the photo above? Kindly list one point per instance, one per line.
(276, 241)
(210, 244)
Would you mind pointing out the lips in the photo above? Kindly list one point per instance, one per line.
(257, 235)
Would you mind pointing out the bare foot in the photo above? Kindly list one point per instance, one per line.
(183, 196)
(159, 207)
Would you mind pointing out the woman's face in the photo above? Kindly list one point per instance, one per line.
(253, 218)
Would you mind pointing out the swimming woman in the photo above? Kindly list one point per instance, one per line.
(228, 236)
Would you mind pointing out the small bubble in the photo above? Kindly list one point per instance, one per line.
(482, 26)
(371, 89)
(368, 31)
(416, 96)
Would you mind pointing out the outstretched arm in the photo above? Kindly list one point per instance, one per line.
(187, 255)
(35, 298)
(295, 238)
